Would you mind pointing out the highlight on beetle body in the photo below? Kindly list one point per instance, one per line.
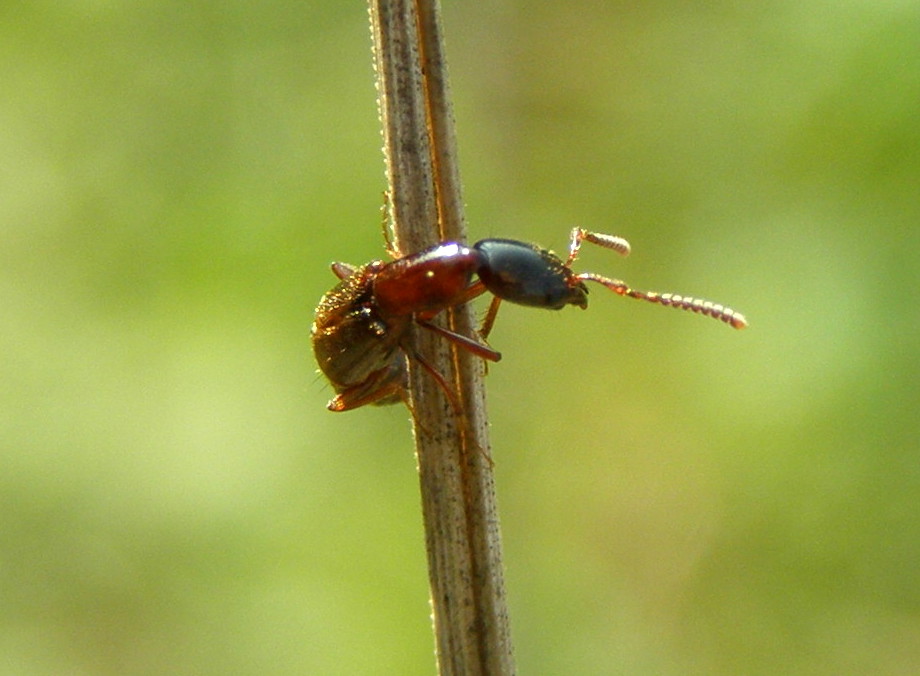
(360, 331)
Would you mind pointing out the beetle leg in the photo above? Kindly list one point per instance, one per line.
(485, 328)
(355, 397)
(489, 320)
(441, 381)
(462, 420)
(387, 383)
(473, 291)
(470, 344)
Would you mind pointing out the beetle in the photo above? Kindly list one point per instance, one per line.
(360, 330)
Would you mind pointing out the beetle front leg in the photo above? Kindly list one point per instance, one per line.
(489, 320)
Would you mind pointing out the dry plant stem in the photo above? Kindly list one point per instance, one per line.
(458, 498)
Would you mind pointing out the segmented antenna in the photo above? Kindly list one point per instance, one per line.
(579, 235)
(698, 305)
(621, 246)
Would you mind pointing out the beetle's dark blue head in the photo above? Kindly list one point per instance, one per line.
(525, 274)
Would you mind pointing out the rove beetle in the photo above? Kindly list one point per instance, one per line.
(361, 325)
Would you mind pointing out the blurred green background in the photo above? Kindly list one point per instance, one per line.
(676, 497)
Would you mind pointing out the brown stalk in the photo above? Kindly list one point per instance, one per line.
(458, 494)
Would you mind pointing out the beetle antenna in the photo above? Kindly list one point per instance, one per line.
(704, 307)
(579, 235)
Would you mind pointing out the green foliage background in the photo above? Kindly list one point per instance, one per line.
(677, 498)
